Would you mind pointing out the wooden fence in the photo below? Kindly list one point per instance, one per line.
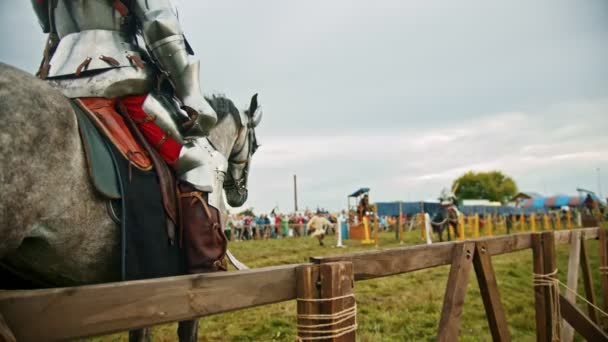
(324, 289)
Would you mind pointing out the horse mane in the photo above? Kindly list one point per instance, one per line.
(223, 106)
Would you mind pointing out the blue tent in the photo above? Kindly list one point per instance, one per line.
(538, 203)
(562, 201)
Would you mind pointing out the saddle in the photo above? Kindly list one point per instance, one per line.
(100, 124)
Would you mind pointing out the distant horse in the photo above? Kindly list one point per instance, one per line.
(443, 219)
(55, 227)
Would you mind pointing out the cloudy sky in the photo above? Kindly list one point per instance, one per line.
(400, 96)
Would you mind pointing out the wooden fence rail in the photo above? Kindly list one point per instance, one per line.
(68, 313)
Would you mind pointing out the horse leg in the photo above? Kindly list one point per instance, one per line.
(139, 335)
(187, 331)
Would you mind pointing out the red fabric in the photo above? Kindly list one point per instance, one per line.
(170, 149)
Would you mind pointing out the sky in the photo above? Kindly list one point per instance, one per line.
(400, 96)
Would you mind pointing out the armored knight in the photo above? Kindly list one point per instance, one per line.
(104, 52)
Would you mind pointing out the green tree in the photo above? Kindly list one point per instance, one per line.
(493, 186)
(248, 212)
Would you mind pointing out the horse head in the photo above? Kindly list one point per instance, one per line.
(238, 149)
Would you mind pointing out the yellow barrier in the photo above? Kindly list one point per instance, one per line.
(461, 235)
(476, 226)
(522, 223)
(367, 240)
(569, 219)
(533, 222)
(422, 227)
(546, 222)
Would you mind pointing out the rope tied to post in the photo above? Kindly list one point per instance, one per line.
(334, 318)
(550, 280)
(603, 270)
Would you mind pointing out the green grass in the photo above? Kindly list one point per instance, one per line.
(397, 308)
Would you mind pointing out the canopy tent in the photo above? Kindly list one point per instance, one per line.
(359, 192)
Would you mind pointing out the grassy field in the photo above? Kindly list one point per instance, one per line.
(396, 308)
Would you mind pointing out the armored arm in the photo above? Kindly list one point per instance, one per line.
(158, 22)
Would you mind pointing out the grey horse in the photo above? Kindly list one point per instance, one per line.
(55, 228)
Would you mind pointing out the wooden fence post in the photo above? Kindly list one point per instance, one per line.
(573, 265)
(603, 235)
(476, 226)
(588, 282)
(488, 288)
(456, 289)
(324, 290)
(543, 251)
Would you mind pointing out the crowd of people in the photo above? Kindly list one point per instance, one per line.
(274, 225)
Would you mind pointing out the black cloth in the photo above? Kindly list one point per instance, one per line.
(146, 250)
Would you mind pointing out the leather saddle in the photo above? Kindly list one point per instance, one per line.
(100, 123)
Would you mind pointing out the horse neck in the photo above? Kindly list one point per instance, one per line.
(224, 135)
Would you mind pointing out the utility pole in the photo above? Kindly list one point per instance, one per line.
(295, 193)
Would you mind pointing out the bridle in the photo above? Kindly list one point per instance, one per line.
(246, 139)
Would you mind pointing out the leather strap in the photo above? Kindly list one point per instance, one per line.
(109, 60)
(136, 61)
(196, 196)
(83, 66)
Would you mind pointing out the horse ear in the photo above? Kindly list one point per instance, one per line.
(253, 105)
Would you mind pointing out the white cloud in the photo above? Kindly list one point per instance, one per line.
(421, 162)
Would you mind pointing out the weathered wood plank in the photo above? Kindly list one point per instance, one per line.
(374, 264)
(550, 265)
(562, 237)
(382, 263)
(507, 243)
(572, 282)
(488, 288)
(455, 291)
(582, 324)
(588, 283)
(68, 313)
(539, 291)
